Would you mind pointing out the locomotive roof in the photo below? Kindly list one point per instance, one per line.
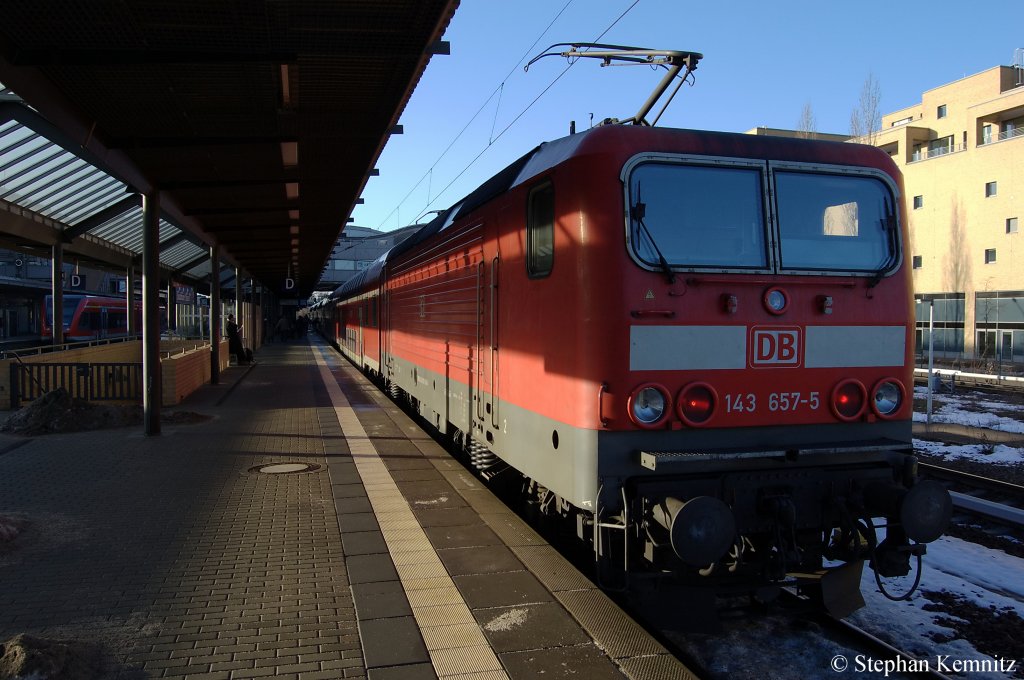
(625, 140)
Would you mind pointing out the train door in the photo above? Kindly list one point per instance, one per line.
(102, 331)
(486, 414)
(358, 349)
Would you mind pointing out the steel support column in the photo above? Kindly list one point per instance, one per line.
(129, 284)
(214, 315)
(172, 307)
(57, 293)
(152, 388)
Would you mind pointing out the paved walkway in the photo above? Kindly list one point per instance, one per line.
(173, 555)
(177, 557)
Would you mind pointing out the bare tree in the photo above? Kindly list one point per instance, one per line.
(957, 262)
(957, 275)
(866, 119)
(807, 127)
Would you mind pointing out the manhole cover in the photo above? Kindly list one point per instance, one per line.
(285, 468)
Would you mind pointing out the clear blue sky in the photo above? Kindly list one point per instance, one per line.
(763, 61)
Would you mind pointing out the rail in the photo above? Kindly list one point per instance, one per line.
(969, 379)
(851, 635)
(990, 509)
(89, 381)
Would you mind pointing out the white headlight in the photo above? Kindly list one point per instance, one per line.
(648, 405)
(887, 398)
(775, 300)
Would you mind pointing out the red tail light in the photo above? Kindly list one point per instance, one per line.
(849, 398)
(696, 404)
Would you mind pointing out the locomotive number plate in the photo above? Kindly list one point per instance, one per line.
(748, 402)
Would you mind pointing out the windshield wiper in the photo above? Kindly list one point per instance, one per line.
(638, 211)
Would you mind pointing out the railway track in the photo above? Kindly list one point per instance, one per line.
(991, 499)
(882, 656)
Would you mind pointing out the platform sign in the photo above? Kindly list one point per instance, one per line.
(76, 282)
(185, 295)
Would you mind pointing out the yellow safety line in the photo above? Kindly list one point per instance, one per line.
(456, 644)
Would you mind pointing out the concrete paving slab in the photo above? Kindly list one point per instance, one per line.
(483, 591)
(530, 626)
(442, 537)
(382, 600)
(583, 661)
(392, 642)
(488, 559)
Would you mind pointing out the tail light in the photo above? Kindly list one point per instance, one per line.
(649, 405)
(849, 399)
(887, 397)
(696, 404)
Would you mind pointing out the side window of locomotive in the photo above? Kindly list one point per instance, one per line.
(835, 222)
(697, 216)
(540, 231)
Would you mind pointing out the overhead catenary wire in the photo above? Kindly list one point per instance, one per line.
(472, 118)
(528, 106)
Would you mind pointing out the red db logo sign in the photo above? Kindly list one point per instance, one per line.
(775, 346)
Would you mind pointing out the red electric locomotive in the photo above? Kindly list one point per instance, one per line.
(695, 346)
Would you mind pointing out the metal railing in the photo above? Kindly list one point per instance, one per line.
(1009, 133)
(22, 352)
(925, 154)
(89, 381)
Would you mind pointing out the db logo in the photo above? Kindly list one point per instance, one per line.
(775, 346)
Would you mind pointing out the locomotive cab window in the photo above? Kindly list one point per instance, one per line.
(683, 215)
(835, 222)
(540, 231)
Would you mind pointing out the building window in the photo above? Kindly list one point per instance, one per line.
(991, 189)
(944, 313)
(1011, 225)
(917, 261)
(990, 255)
(540, 231)
(918, 202)
(986, 134)
(941, 112)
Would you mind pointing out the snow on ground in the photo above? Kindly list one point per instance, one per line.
(973, 409)
(990, 578)
(1000, 454)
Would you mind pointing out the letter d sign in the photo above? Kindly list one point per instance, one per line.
(775, 346)
(289, 283)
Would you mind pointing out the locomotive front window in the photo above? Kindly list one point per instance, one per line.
(835, 222)
(697, 216)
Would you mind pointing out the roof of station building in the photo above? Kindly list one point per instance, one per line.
(257, 122)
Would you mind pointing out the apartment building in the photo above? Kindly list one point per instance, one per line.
(961, 150)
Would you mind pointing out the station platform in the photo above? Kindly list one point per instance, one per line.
(307, 529)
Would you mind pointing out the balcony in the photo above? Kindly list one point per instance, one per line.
(944, 150)
(1009, 133)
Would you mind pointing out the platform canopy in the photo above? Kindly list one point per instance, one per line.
(257, 121)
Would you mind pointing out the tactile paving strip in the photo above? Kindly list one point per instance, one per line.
(551, 569)
(616, 633)
(659, 667)
(444, 626)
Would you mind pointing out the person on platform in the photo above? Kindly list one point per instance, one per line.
(283, 329)
(235, 340)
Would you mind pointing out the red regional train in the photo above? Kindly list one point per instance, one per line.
(696, 347)
(90, 317)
